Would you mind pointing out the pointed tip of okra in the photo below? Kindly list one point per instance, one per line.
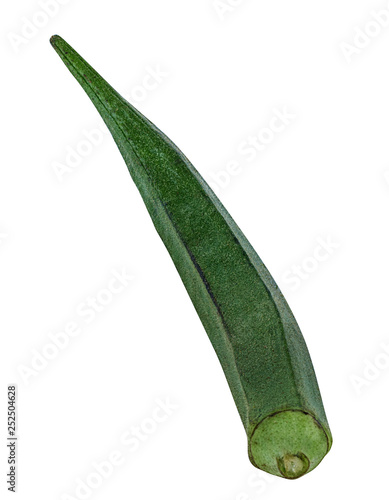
(288, 444)
(55, 39)
(59, 44)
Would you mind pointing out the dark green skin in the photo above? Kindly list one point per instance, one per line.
(250, 325)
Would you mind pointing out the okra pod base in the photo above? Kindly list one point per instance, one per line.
(288, 444)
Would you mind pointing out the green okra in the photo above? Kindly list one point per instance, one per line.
(250, 325)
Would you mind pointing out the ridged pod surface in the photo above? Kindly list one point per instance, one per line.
(250, 325)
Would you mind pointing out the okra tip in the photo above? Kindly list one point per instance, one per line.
(54, 40)
(59, 44)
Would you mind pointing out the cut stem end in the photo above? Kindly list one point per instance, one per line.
(293, 466)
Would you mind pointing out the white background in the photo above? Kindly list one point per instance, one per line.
(324, 178)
